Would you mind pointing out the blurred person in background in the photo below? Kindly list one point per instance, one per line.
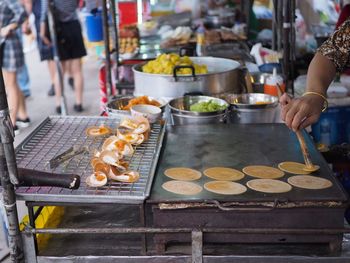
(45, 51)
(23, 79)
(70, 45)
(12, 15)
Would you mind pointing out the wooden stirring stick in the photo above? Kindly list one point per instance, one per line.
(306, 154)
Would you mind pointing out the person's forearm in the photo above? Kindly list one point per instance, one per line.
(44, 8)
(28, 6)
(12, 26)
(320, 74)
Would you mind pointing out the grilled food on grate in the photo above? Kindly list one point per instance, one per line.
(96, 131)
(109, 163)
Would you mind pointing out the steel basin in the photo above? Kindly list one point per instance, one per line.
(115, 106)
(181, 115)
(224, 77)
(244, 108)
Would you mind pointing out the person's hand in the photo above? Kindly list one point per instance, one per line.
(26, 28)
(6, 31)
(301, 112)
(43, 36)
(285, 99)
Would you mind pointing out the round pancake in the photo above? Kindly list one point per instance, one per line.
(223, 174)
(263, 172)
(309, 182)
(183, 174)
(182, 188)
(269, 186)
(293, 168)
(225, 187)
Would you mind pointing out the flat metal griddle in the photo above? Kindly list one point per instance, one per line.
(236, 146)
(57, 134)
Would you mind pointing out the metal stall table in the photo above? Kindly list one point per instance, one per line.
(57, 134)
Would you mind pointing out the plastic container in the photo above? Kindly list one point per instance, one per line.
(200, 41)
(94, 27)
(271, 82)
(333, 127)
(268, 67)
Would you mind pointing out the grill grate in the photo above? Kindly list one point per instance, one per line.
(57, 134)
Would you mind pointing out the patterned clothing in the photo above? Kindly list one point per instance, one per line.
(337, 47)
(70, 44)
(45, 51)
(65, 10)
(12, 12)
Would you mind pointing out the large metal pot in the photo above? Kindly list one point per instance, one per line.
(181, 114)
(224, 77)
(253, 108)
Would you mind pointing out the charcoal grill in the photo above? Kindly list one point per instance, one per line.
(297, 217)
(57, 134)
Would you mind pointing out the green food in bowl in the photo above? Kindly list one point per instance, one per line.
(207, 106)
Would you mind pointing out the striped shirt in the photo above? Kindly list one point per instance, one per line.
(65, 10)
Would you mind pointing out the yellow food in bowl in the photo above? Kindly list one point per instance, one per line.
(165, 63)
(262, 102)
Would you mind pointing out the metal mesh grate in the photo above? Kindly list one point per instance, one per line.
(57, 134)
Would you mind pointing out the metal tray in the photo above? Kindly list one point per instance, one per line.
(237, 146)
(57, 134)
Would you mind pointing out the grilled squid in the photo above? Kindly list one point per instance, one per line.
(125, 177)
(97, 179)
(95, 131)
(110, 157)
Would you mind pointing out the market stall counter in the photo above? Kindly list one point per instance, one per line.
(135, 228)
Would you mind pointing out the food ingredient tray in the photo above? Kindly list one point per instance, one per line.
(57, 134)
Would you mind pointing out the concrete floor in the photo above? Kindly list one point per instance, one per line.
(40, 105)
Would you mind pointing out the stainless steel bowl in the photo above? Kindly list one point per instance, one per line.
(249, 108)
(181, 114)
(115, 106)
(254, 101)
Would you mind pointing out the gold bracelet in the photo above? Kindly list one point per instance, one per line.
(325, 101)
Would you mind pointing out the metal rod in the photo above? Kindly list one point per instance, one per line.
(292, 44)
(8, 172)
(286, 39)
(107, 51)
(9, 200)
(32, 216)
(274, 24)
(113, 4)
(197, 246)
(143, 223)
(279, 24)
(149, 230)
